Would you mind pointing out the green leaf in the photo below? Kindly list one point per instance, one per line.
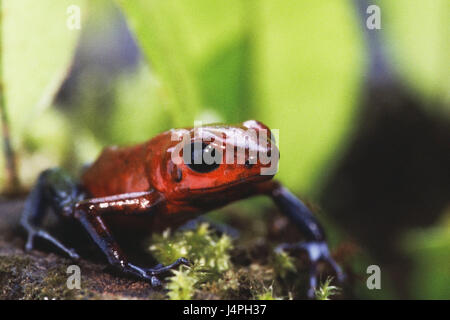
(224, 81)
(182, 41)
(295, 65)
(37, 50)
(429, 249)
(417, 34)
(308, 60)
(139, 113)
(158, 32)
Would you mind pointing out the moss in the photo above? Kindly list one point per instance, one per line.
(283, 263)
(52, 287)
(214, 276)
(181, 285)
(221, 270)
(208, 252)
(22, 278)
(326, 290)
(212, 273)
(267, 295)
(11, 276)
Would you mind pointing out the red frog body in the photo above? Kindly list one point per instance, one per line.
(166, 182)
(182, 193)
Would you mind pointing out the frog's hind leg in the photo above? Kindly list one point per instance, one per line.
(315, 246)
(55, 189)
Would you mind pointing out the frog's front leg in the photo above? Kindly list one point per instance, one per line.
(315, 244)
(55, 189)
(90, 214)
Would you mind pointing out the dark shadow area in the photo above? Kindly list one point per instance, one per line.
(394, 175)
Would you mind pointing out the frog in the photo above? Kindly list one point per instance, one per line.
(166, 182)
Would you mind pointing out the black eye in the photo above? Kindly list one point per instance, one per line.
(202, 158)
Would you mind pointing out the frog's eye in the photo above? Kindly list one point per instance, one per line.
(204, 157)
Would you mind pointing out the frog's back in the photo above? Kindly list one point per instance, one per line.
(116, 171)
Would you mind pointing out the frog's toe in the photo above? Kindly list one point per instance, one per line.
(178, 262)
(29, 246)
(340, 275)
(185, 262)
(311, 293)
(160, 269)
(153, 273)
(73, 254)
(33, 234)
(155, 282)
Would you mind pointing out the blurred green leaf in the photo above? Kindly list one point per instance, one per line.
(37, 51)
(139, 111)
(158, 31)
(229, 70)
(309, 60)
(417, 34)
(45, 142)
(197, 49)
(277, 62)
(430, 251)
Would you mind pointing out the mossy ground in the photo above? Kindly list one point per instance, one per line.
(226, 269)
(20, 278)
(223, 268)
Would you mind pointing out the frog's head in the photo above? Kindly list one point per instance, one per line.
(215, 159)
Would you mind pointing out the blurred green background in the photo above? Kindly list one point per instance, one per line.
(308, 68)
